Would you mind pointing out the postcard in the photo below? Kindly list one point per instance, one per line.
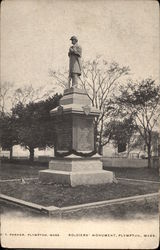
(79, 133)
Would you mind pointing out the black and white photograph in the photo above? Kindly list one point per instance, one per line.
(79, 124)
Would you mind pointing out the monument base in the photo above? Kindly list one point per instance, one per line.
(76, 171)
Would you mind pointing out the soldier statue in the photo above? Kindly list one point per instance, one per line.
(75, 53)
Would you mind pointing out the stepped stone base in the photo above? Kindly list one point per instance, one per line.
(73, 171)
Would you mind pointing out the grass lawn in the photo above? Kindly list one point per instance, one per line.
(12, 171)
(151, 174)
(58, 195)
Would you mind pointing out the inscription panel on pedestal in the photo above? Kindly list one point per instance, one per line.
(83, 134)
(64, 133)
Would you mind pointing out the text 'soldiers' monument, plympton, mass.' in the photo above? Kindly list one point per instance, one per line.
(76, 161)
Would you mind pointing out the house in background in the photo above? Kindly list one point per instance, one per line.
(140, 151)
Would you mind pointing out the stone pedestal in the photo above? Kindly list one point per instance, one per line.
(76, 171)
(75, 162)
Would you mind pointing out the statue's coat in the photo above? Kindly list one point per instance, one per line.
(75, 54)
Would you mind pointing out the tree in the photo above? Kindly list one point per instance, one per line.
(5, 94)
(121, 132)
(141, 101)
(99, 79)
(16, 100)
(28, 93)
(7, 132)
(34, 124)
(10, 95)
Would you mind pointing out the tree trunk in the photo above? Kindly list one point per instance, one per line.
(149, 155)
(31, 157)
(100, 146)
(128, 149)
(149, 148)
(100, 149)
(11, 153)
(95, 136)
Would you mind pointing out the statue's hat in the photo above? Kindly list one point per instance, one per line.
(74, 38)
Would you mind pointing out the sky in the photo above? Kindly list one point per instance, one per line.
(35, 36)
